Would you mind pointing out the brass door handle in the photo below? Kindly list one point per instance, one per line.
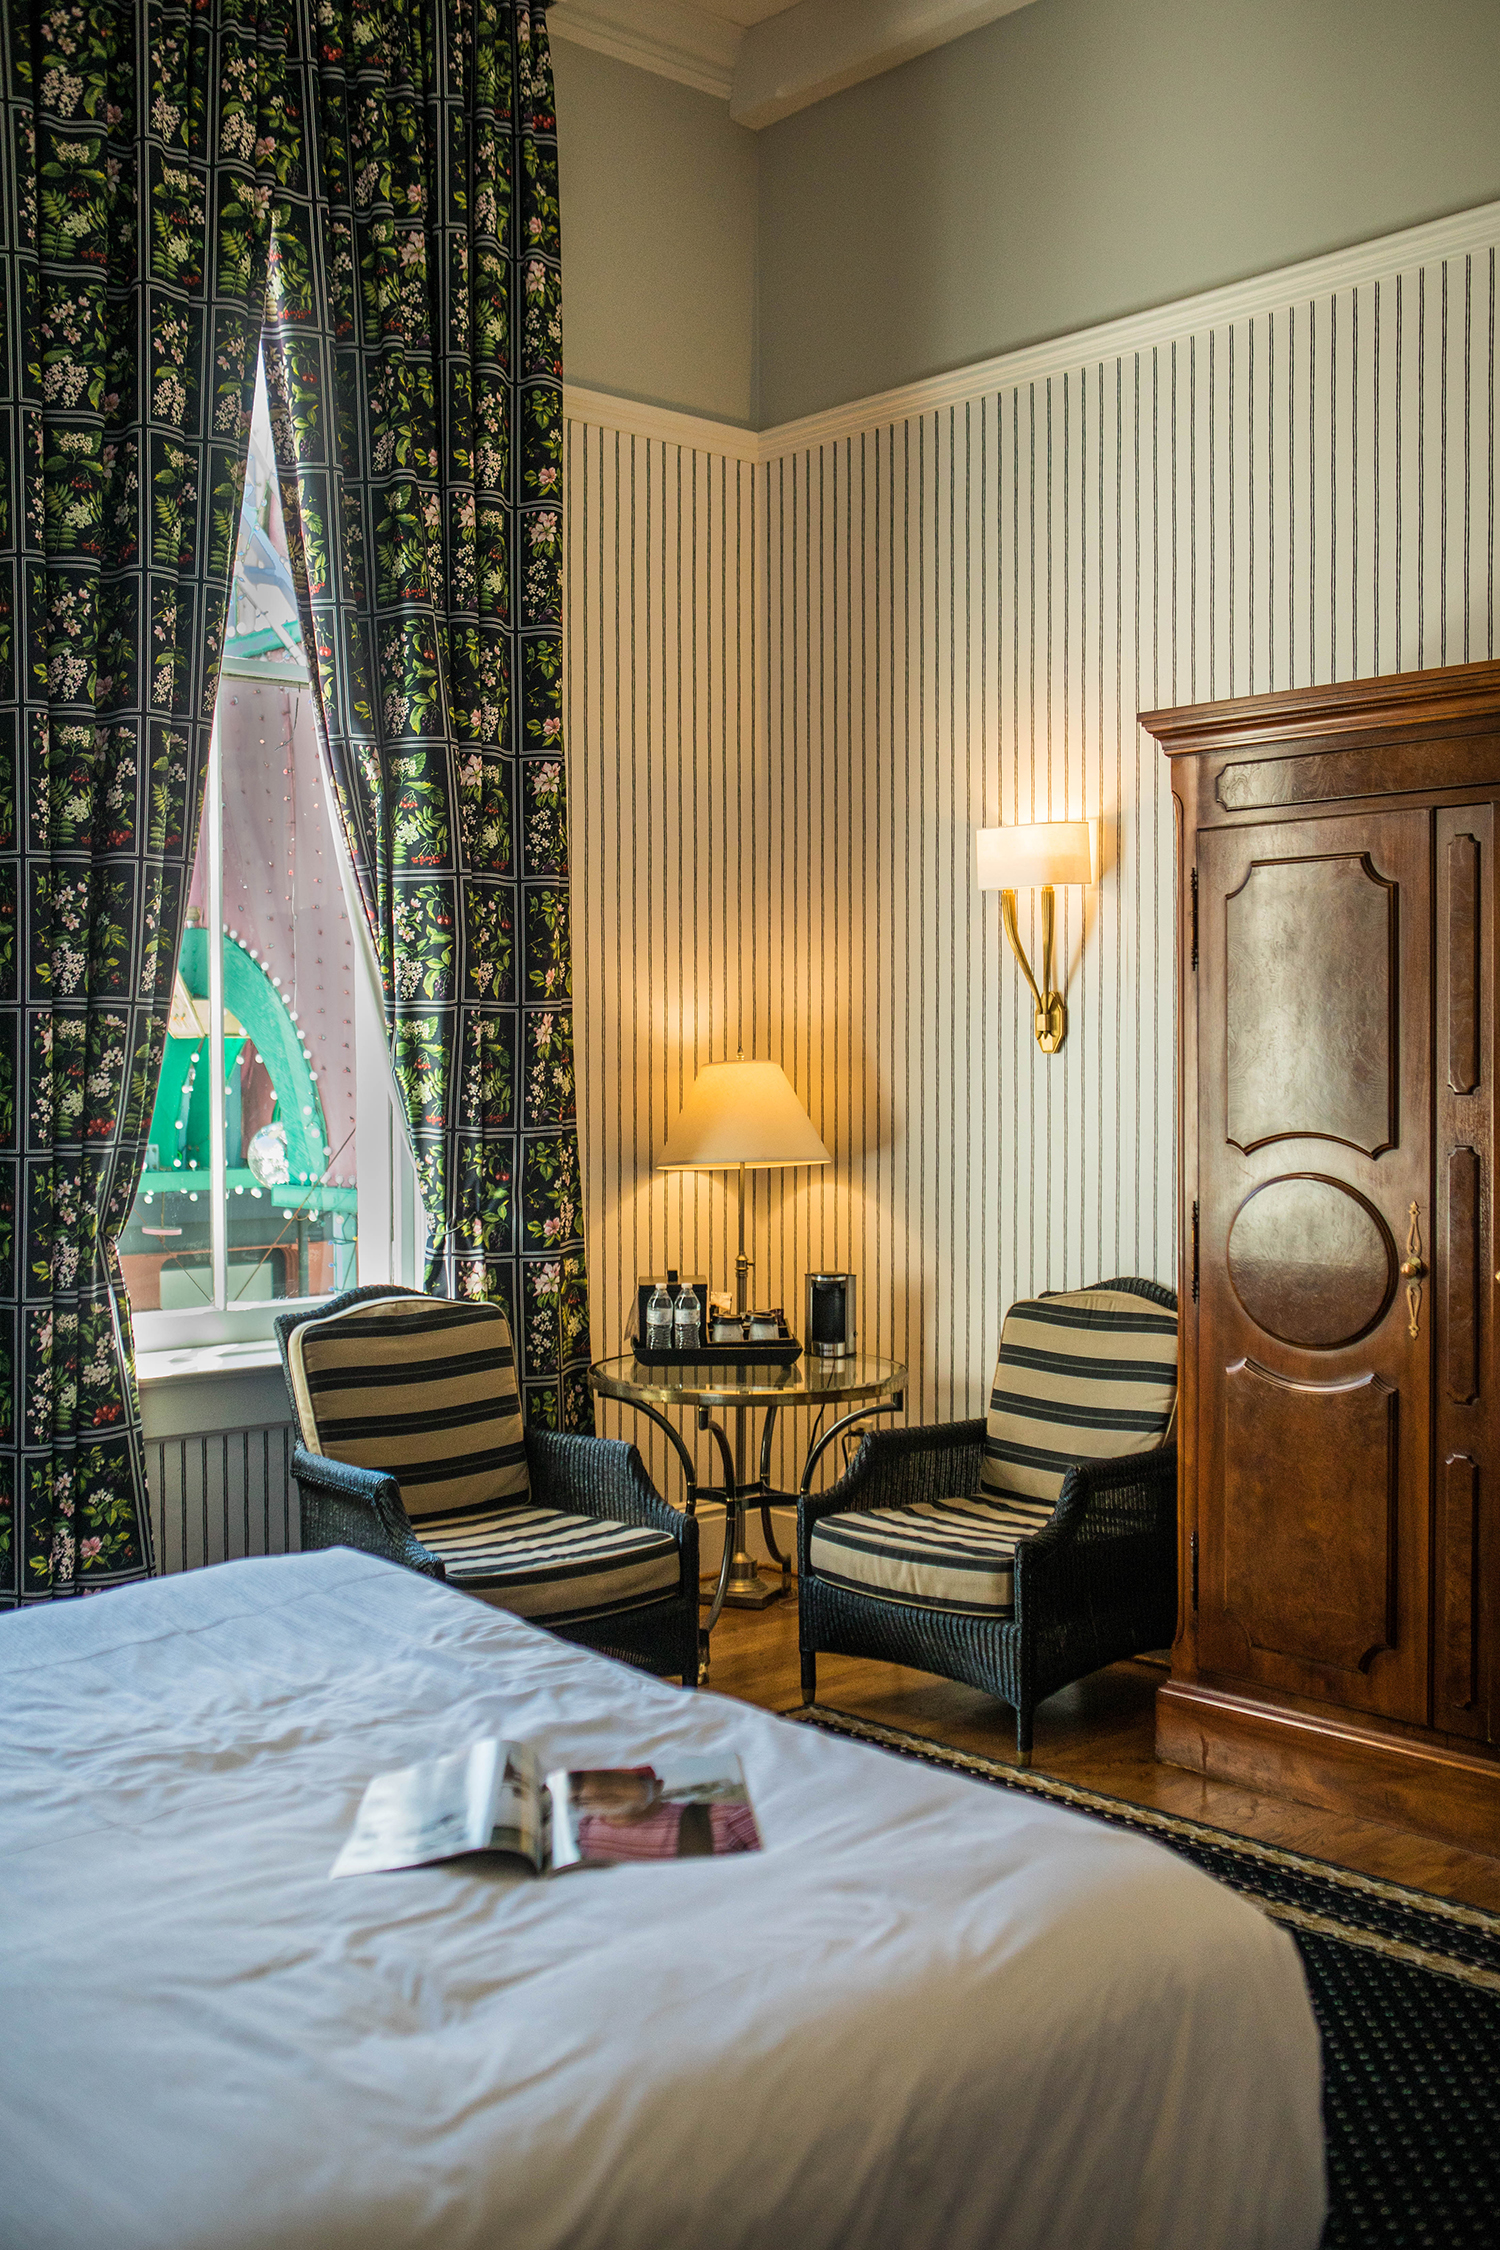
(1412, 1269)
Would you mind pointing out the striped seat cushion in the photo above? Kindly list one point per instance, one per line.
(1086, 1375)
(953, 1555)
(547, 1564)
(422, 1388)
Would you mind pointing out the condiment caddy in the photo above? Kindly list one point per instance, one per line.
(674, 1322)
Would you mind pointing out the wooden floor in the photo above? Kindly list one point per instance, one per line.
(1099, 1734)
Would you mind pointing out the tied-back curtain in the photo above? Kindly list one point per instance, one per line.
(414, 366)
(143, 139)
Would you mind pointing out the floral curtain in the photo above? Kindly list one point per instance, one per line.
(143, 139)
(414, 365)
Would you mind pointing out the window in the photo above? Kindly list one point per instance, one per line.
(276, 1167)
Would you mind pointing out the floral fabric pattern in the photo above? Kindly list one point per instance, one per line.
(413, 353)
(144, 140)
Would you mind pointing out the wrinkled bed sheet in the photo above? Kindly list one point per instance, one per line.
(929, 2013)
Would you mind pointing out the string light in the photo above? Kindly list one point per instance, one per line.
(285, 922)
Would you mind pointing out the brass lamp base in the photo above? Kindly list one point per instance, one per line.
(1051, 1024)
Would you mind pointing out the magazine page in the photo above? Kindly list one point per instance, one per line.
(446, 1806)
(520, 1820)
(685, 1808)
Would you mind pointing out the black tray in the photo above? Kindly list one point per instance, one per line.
(781, 1352)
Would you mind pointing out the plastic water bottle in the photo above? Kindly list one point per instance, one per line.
(659, 1319)
(687, 1320)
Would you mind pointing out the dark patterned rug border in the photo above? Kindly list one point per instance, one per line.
(1445, 1937)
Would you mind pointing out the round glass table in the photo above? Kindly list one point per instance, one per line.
(853, 1388)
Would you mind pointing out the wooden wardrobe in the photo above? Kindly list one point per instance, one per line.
(1339, 1428)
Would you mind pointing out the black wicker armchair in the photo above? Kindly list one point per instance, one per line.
(566, 1530)
(1094, 1580)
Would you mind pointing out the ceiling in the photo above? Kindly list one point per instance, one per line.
(744, 12)
(769, 58)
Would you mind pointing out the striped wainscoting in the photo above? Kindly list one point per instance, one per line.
(804, 667)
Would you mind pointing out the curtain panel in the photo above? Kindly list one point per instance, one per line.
(143, 140)
(413, 353)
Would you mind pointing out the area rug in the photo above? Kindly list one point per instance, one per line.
(1406, 1989)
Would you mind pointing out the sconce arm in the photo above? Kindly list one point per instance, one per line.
(1051, 1019)
(1008, 918)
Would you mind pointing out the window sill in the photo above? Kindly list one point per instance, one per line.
(204, 1359)
(242, 1328)
(199, 1390)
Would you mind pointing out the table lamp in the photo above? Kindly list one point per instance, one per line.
(1036, 855)
(741, 1116)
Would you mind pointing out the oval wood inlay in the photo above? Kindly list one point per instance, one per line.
(1311, 1262)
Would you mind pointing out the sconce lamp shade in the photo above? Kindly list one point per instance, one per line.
(1031, 855)
(741, 1113)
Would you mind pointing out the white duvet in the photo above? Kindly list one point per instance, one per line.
(929, 2013)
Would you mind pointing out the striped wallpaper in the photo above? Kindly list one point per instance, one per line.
(802, 669)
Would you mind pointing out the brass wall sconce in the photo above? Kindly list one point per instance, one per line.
(1037, 856)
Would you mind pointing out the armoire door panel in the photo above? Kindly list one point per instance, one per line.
(1461, 1283)
(1314, 1397)
(1463, 965)
(1311, 1468)
(1310, 978)
(1466, 1432)
(1458, 1610)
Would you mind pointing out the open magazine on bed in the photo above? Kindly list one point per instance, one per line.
(493, 1797)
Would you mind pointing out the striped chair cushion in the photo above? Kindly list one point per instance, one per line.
(423, 1388)
(944, 1554)
(1086, 1375)
(550, 1565)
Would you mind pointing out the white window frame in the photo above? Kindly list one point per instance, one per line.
(392, 1229)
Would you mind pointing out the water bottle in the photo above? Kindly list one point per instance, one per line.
(659, 1319)
(687, 1320)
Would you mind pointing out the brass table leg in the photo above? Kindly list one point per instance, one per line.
(784, 1562)
(739, 1584)
(721, 1582)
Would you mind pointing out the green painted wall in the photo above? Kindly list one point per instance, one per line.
(1087, 158)
(658, 193)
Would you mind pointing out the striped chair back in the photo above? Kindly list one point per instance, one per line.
(421, 1387)
(1083, 1375)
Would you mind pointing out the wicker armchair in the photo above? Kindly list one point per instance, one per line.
(1091, 1581)
(566, 1530)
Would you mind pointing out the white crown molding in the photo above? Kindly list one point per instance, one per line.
(669, 37)
(782, 64)
(788, 62)
(1388, 254)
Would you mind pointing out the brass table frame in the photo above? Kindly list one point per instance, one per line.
(879, 1385)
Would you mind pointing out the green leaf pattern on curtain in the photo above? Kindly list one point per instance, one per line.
(414, 363)
(144, 140)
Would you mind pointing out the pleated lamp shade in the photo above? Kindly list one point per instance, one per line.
(741, 1113)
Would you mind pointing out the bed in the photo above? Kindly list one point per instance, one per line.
(929, 2013)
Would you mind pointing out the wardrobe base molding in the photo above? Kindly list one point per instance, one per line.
(1335, 1763)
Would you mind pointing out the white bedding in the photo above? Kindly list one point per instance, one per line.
(930, 2013)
